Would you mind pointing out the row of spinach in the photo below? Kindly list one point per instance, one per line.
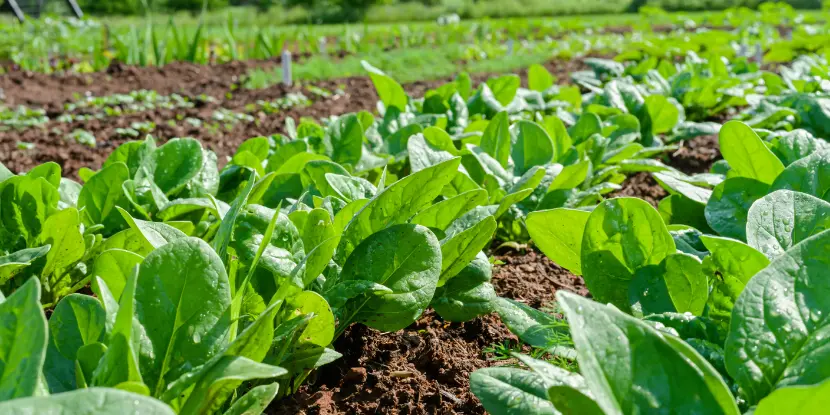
(715, 300)
(218, 290)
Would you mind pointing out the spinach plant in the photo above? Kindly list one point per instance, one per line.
(722, 295)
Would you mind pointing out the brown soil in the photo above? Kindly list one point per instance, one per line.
(643, 186)
(696, 155)
(533, 279)
(51, 142)
(51, 91)
(425, 368)
(218, 81)
(693, 156)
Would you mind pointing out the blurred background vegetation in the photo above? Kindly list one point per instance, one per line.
(372, 11)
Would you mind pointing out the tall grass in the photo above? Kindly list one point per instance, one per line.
(417, 10)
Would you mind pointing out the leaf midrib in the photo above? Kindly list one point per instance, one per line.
(175, 331)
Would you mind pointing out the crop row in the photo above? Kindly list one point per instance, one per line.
(219, 290)
(84, 46)
(711, 303)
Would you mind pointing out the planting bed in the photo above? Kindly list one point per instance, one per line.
(172, 241)
(425, 368)
(422, 369)
(221, 82)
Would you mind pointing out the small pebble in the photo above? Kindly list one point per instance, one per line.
(356, 374)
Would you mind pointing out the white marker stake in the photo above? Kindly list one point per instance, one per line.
(322, 46)
(286, 67)
(509, 47)
(759, 53)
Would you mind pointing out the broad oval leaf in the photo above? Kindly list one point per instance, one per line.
(784, 218)
(23, 339)
(559, 134)
(77, 320)
(747, 155)
(405, 258)
(495, 140)
(283, 153)
(62, 231)
(396, 204)
(467, 295)
(345, 139)
(320, 330)
(662, 113)
(101, 194)
(558, 234)
(795, 145)
(511, 391)
(320, 239)
(730, 265)
(50, 171)
(504, 88)
(93, 401)
(686, 282)
(674, 185)
(254, 401)
(174, 164)
(533, 146)
(571, 176)
(728, 207)
(809, 175)
(182, 301)
(390, 92)
(459, 249)
(587, 125)
(538, 78)
(350, 188)
(778, 335)
(805, 400)
(258, 146)
(621, 357)
(114, 267)
(440, 215)
(25, 203)
(622, 236)
(132, 153)
(431, 147)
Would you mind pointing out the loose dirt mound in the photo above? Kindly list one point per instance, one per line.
(533, 279)
(693, 156)
(641, 185)
(425, 368)
(696, 155)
